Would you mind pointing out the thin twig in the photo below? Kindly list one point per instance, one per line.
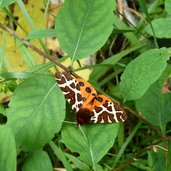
(52, 59)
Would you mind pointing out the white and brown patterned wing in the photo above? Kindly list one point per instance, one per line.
(70, 88)
(108, 112)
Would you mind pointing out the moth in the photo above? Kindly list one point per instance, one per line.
(88, 106)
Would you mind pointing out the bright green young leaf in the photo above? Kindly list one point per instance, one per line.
(83, 26)
(37, 161)
(18, 75)
(168, 6)
(154, 106)
(142, 72)
(7, 149)
(92, 141)
(37, 34)
(161, 27)
(5, 3)
(36, 111)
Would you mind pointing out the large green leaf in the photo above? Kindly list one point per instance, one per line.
(142, 72)
(36, 111)
(37, 161)
(7, 149)
(161, 27)
(92, 141)
(83, 26)
(154, 106)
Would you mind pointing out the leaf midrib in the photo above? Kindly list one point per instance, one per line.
(80, 34)
(34, 112)
(148, 68)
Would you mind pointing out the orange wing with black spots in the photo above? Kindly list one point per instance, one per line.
(87, 92)
(88, 106)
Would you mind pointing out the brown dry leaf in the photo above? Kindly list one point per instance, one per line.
(165, 88)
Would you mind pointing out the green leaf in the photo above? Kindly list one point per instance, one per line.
(168, 168)
(78, 163)
(131, 36)
(41, 67)
(112, 61)
(5, 3)
(28, 58)
(168, 6)
(2, 109)
(41, 34)
(159, 159)
(37, 161)
(18, 75)
(140, 73)
(2, 56)
(83, 26)
(36, 111)
(92, 142)
(161, 27)
(7, 149)
(154, 106)
(125, 144)
(60, 155)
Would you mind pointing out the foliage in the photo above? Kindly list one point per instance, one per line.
(37, 127)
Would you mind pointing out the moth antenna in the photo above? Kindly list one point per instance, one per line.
(69, 122)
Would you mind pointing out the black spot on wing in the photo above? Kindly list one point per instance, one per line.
(81, 83)
(99, 99)
(84, 99)
(88, 90)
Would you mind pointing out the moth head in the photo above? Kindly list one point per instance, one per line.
(83, 116)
